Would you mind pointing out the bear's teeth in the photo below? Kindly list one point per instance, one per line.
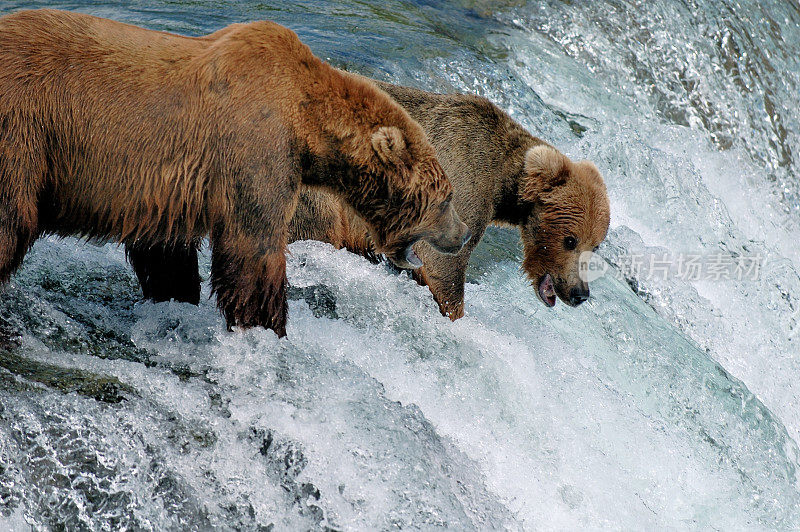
(412, 258)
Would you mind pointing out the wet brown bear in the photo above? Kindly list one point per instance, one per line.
(156, 140)
(501, 174)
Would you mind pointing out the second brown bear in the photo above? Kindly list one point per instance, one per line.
(501, 174)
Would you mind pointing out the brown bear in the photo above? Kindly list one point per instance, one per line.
(155, 140)
(501, 174)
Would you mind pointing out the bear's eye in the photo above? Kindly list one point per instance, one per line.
(570, 243)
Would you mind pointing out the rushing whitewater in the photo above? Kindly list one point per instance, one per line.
(664, 401)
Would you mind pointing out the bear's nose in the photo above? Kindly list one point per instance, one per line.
(578, 295)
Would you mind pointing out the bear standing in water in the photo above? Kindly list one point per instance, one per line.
(501, 174)
(156, 140)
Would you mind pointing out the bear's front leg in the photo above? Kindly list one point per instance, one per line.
(250, 283)
(447, 286)
(250, 217)
(445, 275)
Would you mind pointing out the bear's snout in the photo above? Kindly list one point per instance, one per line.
(451, 233)
(578, 294)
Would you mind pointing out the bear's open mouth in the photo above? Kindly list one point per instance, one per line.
(547, 290)
(412, 258)
(405, 257)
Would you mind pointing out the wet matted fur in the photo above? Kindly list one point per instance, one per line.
(156, 140)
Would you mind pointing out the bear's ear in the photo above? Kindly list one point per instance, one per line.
(590, 173)
(389, 145)
(545, 169)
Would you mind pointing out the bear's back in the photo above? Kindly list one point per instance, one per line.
(478, 143)
(44, 34)
(72, 57)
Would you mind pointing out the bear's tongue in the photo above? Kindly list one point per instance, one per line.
(547, 291)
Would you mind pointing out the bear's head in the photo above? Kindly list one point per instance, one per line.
(403, 195)
(377, 159)
(419, 199)
(569, 215)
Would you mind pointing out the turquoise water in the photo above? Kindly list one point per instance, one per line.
(672, 406)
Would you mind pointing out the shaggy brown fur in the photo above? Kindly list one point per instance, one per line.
(321, 217)
(116, 132)
(501, 174)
